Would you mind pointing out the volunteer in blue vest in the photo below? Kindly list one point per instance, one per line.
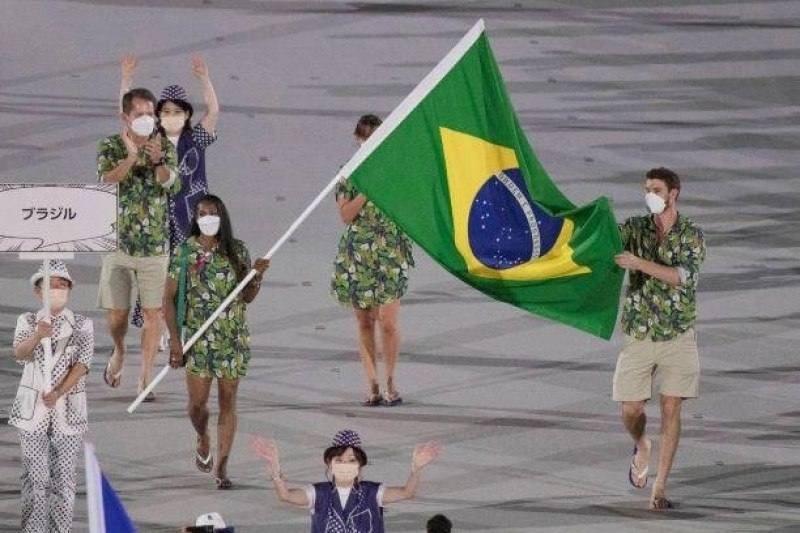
(345, 502)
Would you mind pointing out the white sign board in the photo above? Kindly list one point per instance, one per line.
(66, 217)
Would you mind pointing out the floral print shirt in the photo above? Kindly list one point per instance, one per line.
(142, 212)
(654, 309)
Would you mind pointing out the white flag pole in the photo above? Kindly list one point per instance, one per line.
(239, 288)
(392, 121)
(47, 342)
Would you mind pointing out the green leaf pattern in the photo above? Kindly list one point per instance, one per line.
(653, 309)
(142, 214)
(224, 350)
(374, 255)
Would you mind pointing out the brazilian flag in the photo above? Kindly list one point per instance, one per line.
(452, 167)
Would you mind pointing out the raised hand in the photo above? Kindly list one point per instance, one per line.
(128, 65)
(199, 67)
(267, 449)
(424, 454)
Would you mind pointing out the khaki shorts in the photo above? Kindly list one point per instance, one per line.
(675, 365)
(122, 272)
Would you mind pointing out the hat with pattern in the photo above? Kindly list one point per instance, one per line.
(58, 269)
(174, 92)
(347, 437)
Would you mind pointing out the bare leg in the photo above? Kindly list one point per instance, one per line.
(226, 425)
(390, 337)
(366, 344)
(670, 436)
(117, 328)
(150, 334)
(635, 420)
(199, 389)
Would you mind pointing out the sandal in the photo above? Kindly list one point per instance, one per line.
(150, 397)
(223, 483)
(635, 479)
(390, 399)
(661, 503)
(206, 464)
(374, 398)
(115, 379)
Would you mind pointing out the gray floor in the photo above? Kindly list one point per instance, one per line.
(605, 89)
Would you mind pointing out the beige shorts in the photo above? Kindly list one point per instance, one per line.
(675, 365)
(122, 273)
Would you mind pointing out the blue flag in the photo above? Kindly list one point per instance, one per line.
(106, 512)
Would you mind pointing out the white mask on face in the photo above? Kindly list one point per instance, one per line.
(173, 124)
(143, 126)
(655, 203)
(209, 225)
(58, 299)
(345, 472)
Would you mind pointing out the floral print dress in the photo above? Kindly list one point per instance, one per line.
(371, 266)
(223, 351)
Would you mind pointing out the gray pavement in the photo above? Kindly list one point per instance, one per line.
(605, 90)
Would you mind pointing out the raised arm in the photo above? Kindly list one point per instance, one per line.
(423, 455)
(268, 451)
(128, 65)
(200, 70)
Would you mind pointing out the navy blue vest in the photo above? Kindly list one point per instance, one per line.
(360, 515)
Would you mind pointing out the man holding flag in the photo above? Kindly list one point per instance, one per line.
(663, 253)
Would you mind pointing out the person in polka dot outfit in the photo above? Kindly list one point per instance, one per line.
(50, 411)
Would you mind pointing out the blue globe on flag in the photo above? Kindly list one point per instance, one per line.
(506, 227)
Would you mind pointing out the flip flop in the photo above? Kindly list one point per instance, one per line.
(373, 400)
(115, 379)
(391, 399)
(149, 398)
(661, 504)
(223, 483)
(642, 474)
(206, 464)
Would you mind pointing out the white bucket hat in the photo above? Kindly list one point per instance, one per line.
(210, 519)
(57, 270)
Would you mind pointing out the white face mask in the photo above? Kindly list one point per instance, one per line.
(58, 299)
(173, 124)
(655, 203)
(143, 126)
(345, 472)
(209, 225)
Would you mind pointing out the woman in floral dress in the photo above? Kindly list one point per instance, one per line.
(209, 265)
(371, 275)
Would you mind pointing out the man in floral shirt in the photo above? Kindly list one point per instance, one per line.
(143, 164)
(663, 253)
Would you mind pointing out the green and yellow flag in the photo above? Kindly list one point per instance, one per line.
(452, 167)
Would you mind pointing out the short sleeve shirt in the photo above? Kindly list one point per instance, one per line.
(142, 215)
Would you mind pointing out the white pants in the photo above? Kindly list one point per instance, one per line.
(48, 480)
